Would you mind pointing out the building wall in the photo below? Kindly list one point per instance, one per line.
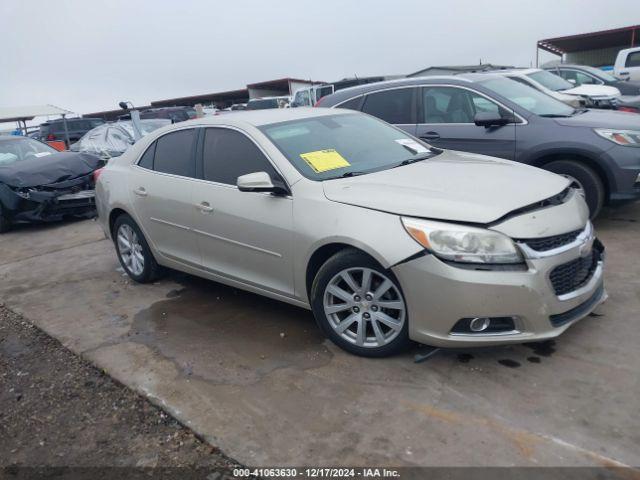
(596, 58)
(263, 92)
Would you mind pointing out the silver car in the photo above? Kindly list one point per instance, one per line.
(385, 238)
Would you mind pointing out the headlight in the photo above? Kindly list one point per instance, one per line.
(459, 243)
(628, 138)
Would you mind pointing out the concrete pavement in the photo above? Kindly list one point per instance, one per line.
(255, 377)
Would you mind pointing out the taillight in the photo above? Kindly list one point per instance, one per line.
(96, 174)
(51, 137)
(628, 109)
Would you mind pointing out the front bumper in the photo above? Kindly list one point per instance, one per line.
(625, 170)
(50, 205)
(438, 295)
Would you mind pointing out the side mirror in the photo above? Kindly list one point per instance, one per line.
(490, 119)
(572, 81)
(260, 182)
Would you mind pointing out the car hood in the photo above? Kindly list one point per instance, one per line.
(49, 169)
(593, 91)
(596, 118)
(454, 186)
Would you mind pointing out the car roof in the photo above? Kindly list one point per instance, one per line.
(13, 137)
(268, 98)
(258, 118)
(351, 92)
(519, 71)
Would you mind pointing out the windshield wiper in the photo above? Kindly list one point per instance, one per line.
(353, 173)
(416, 158)
(554, 115)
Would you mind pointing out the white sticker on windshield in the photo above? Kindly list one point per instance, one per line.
(412, 145)
(42, 154)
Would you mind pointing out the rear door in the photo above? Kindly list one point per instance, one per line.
(397, 106)
(245, 236)
(161, 188)
(446, 120)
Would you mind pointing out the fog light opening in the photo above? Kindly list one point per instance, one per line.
(479, 324)
(484, 325)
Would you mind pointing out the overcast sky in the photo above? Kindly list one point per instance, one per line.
(86, 55)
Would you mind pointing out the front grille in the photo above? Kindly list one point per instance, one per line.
(549, 243)
(572, 275)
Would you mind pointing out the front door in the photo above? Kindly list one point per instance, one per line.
(245, 236)
(446, 120)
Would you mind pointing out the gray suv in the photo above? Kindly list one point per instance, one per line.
(491, 115)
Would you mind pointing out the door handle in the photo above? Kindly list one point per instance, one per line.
(430, 136)
(205, 207)
(140, 191)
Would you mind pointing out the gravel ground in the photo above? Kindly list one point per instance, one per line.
(58, 410)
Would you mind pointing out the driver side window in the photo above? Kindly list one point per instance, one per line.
(229, 154)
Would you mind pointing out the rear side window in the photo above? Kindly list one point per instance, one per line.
(146, 161)
(353, 104)
(393, 106)
(229, 154)
(633, 60)
(174, 153)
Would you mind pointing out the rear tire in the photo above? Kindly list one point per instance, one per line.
(5, 223)
(133, 250)
(583, 177)
(359, 305)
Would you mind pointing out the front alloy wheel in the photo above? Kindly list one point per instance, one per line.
(359, 305)
(364, 307)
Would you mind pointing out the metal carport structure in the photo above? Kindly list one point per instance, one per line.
(593, 48)
(24, 113)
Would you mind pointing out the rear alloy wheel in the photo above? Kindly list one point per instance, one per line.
(359, 305)
(584, 179)
(133, 251)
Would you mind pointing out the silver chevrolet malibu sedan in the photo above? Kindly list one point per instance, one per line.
(385, 238)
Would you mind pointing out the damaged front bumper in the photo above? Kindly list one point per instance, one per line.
(71, 198)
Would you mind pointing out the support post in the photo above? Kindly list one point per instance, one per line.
(66, 130)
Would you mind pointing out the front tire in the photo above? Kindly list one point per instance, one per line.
(133, 250)
(359, 305)
(585, 179)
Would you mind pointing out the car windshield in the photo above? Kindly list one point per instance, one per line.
(601, 74)
(550, 81)
(21, 148)
(528, 98)
(334, 146)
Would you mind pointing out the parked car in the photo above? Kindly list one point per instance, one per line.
(267, 102)
(627, 65)
(113, 139)
(629, 104)
(594, 96)
(382, 236)
(174, 114)
(579, 75)
(38, 183)
(53, 130)
(309, 96)
(492, 115)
